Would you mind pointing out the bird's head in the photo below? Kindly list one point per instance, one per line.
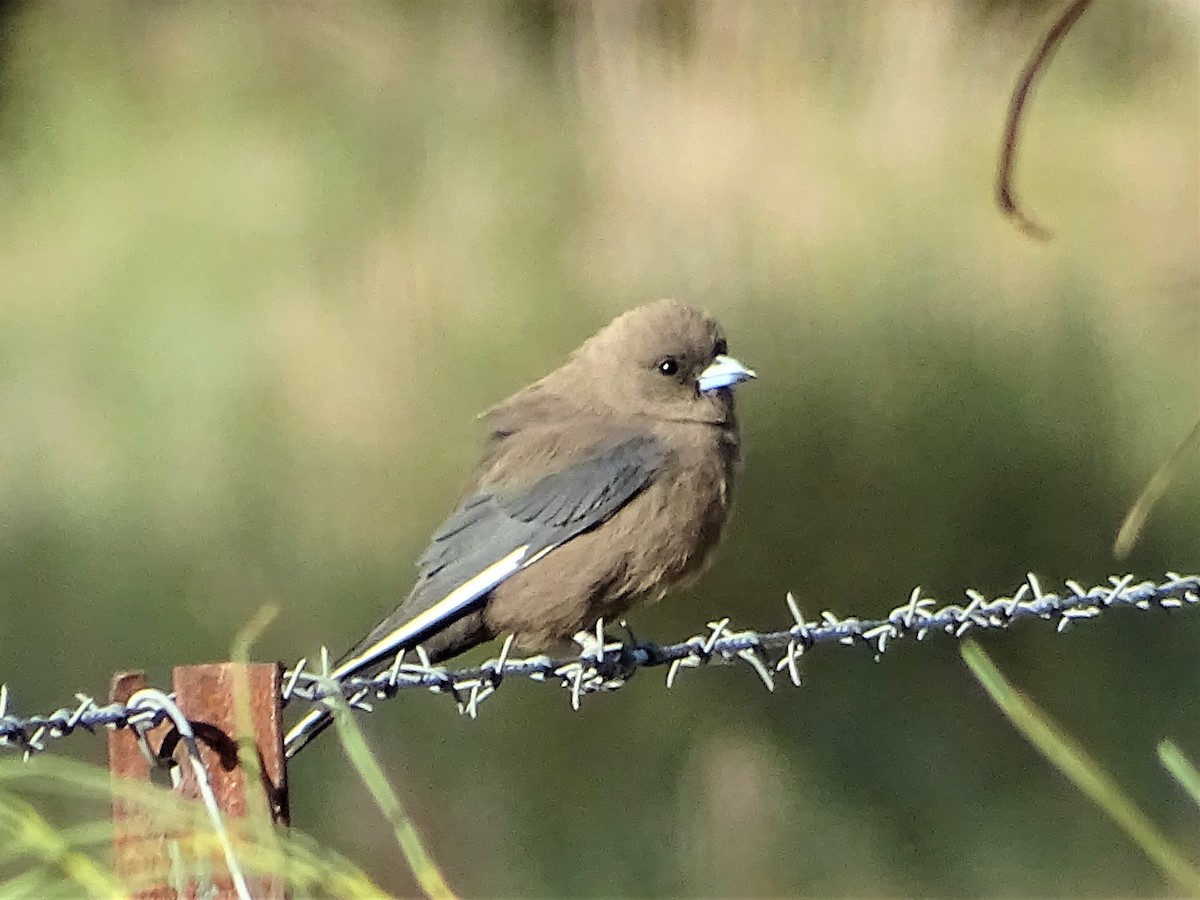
(665, 360)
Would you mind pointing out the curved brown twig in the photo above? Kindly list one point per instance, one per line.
(1016, 106)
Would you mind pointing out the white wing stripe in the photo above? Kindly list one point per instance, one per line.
(446, 608)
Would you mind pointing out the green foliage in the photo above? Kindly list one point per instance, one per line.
(1074, 762)
(408, 838)
(43, 858)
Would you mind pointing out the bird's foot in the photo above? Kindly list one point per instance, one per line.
(605, 663)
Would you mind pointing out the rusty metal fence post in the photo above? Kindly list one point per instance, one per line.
(208, 696)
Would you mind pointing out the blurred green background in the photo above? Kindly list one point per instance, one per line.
(262, 264)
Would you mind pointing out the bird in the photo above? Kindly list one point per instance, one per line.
(604, 484)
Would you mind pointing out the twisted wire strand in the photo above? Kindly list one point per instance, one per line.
(605, 664)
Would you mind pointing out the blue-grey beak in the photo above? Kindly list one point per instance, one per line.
(722, 372)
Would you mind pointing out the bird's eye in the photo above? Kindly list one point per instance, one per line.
(669, 366)
(721, 348)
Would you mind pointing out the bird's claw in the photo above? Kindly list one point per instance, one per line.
(605, 663)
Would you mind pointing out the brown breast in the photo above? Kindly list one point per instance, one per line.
(661, 538)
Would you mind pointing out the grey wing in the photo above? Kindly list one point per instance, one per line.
(495, 534)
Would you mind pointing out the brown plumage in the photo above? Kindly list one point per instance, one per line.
(603, 484)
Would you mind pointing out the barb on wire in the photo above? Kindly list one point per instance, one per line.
(605, 663)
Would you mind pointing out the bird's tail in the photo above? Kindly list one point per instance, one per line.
(401, 631)
(316, 721)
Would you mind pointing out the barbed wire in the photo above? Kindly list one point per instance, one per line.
(605, 663)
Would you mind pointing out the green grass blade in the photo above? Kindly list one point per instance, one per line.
(289, 854)
(23, 828)
(426, 871)
(1181, 768)
(1071, 759)
(1154, 490)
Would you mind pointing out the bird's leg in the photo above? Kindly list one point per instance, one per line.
(648, 649)
(631, 638)
(604, 664)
